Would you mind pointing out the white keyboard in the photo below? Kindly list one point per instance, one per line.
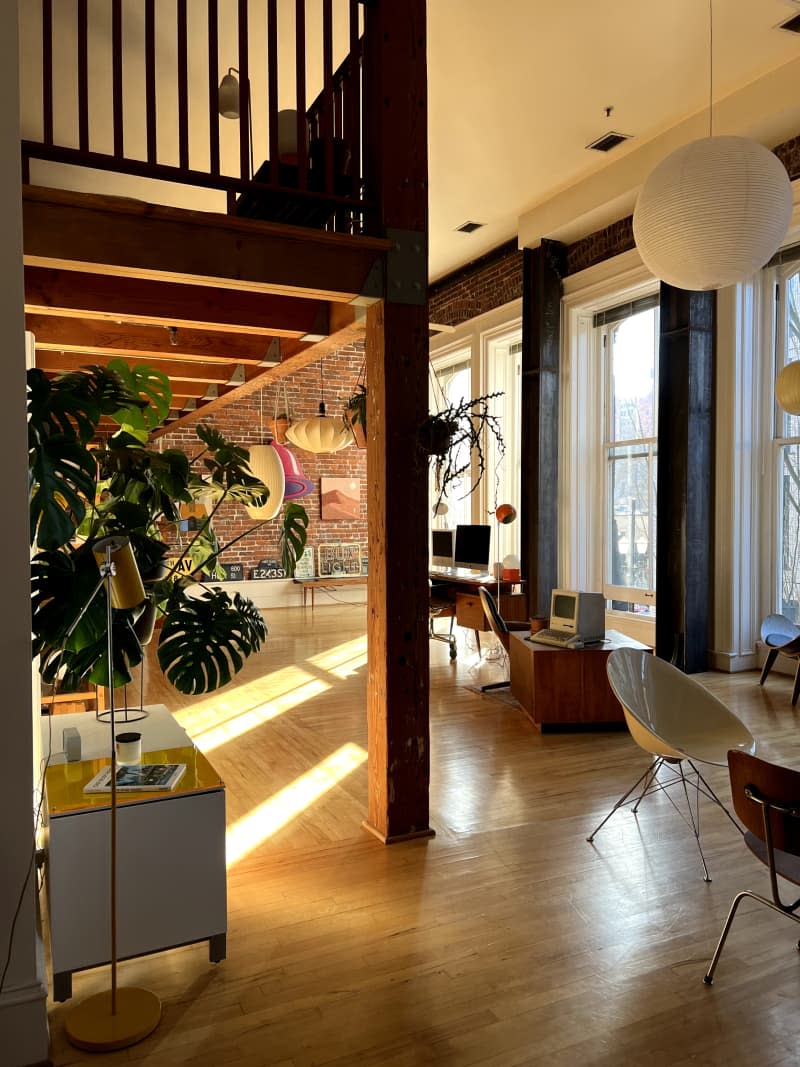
(557, 638)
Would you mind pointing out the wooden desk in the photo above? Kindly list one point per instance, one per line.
(310, 584)
(171, 874)
(463, 591)
(563, 687)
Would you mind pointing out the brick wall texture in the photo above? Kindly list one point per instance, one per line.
(247, 423)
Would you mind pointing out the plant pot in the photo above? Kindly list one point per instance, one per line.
(436, 434)
(279, 427)
(357, 429)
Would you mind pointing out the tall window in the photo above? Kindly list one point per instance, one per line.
(787, 445)
(451, 382)
(503, 484)
(629, 342)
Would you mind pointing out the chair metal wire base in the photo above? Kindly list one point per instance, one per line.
(708, 978)
(650, 784)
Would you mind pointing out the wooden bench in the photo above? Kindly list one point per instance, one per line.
(332, 582)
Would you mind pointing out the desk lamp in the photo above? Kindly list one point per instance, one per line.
(119, 1017)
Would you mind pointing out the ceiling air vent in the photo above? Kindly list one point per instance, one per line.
(792, 24)
(608, 141)
(469, 227)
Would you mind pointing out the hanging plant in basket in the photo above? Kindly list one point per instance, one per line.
(355, 415)
(457, 434)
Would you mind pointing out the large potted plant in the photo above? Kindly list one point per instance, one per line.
(82, 489)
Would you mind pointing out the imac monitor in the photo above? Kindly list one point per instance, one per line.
(582, 614)
(472, 547)
(442, 548)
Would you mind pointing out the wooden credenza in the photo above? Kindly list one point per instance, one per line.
(566, 687)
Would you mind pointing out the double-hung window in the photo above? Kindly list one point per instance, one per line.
(629, 346)
(786, 445)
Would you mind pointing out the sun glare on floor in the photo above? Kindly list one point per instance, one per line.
(262, 822)
(216, 708)
(342, 660)
(208, 740)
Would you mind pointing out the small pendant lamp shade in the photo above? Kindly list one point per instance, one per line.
(787, 388)
(712, 213)
(229, 97)
(320, 433)
(297, 484)
(265, 464)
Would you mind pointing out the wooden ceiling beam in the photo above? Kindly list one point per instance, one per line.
(145, 343)
(68, 293)
(348, 326)
(112, 235)
(206, 373)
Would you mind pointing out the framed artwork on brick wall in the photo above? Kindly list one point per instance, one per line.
(340, 498)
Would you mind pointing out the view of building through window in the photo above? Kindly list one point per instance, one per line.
(788, 447)
(630, 348)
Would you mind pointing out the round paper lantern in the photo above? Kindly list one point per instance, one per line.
(297, 484)
(265, 464)
(506, 513)
(320, 433)
(712, 213)
(787, 388)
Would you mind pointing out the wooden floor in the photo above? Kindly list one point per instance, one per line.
(506, 940)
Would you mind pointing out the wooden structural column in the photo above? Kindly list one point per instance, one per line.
(684, 526)
(397, 365)
(542, 271)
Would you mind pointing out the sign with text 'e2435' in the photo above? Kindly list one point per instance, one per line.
(268, 568)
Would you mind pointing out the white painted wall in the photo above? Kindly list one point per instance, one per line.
(23, 1017)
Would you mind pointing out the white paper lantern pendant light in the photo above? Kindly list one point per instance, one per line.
(320, 433)
(713, 212)
(265, 464)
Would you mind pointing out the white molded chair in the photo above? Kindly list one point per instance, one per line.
(677, 721)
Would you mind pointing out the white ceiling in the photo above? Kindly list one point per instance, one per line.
(518, 88)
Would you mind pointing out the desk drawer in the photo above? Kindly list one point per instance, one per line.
(469, 612)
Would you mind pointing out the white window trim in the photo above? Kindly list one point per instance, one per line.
(581, 495)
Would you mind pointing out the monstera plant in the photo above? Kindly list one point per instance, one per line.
(83, 488)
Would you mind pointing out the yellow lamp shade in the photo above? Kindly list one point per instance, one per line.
(127, 590)
(787, 388)
(265, 464)
(320, 433)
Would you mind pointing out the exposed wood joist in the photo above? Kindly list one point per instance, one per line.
(69, 293)
(127, 238)
(348, 326)
(206, 374)
(97, 337)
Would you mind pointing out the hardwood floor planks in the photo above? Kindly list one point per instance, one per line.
(505, 941)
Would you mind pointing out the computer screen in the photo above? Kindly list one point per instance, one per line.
(472, 546)
(442, 548)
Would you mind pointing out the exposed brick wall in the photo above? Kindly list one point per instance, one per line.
(602, 244)
(487, 283)
(242, 423)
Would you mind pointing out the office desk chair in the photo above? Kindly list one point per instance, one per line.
(441, 608)
(500, 627)
(766, 798)
(676, 720)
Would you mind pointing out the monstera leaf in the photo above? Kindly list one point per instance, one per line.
(72, 404)
(206, 638)
(69, 617)
(293, 536)
(153, 392)
(62, 475)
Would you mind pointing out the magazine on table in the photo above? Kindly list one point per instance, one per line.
(138, 777)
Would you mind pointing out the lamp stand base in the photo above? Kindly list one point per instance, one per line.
(91, 1026)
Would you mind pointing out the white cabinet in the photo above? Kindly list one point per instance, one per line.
(171, 883)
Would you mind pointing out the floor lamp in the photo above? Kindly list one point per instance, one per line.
(116, 1018)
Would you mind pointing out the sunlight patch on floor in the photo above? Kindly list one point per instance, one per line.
(254, 828)
(208, 740)
(342, 660)
(214, 709)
